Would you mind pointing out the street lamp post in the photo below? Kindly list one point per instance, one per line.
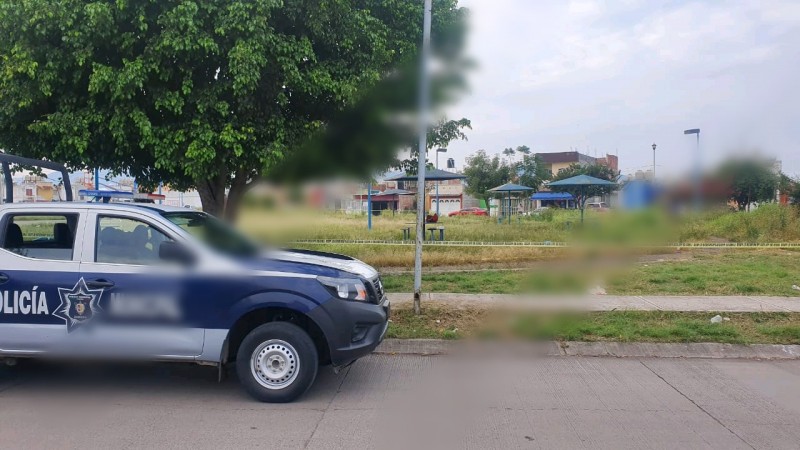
(697, 189)
(654, 162)
(438, 150)
(424, 92)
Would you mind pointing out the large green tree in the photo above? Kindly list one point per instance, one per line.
(750, 180)
(483, 173)
(530, 170)
(210, 94)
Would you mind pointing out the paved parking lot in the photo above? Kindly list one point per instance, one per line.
(474, 401)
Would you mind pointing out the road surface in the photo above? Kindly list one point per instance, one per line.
(383, 401)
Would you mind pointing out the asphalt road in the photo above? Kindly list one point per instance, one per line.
(477, 401)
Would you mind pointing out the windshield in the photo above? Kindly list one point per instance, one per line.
(213, 232)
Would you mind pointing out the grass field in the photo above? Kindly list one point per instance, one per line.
(770, 223)
(720, 273)
(441, 322)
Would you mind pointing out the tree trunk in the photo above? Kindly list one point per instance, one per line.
(239, 186)
(212, 195)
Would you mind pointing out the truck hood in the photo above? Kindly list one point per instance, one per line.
(302, 259)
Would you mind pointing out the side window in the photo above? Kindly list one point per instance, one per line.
(41, 236)
(122, 240)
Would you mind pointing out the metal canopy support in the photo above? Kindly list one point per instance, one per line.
(8, 182)
(7, 160)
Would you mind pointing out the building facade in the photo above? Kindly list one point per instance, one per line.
(561, 160)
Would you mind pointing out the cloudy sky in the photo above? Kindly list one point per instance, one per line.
(615, 77)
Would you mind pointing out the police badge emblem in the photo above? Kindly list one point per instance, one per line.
(78, 305)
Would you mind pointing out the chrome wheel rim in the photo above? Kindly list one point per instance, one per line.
(275, 364)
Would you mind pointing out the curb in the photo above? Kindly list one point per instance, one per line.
(710, 350)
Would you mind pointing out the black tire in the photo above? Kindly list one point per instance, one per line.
(287, 365)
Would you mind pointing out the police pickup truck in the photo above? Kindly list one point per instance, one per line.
(144, 281)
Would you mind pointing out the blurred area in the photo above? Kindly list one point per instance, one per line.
(741, 200)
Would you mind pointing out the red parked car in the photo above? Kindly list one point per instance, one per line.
(469, 212)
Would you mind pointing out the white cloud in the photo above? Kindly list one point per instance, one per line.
(622, 74)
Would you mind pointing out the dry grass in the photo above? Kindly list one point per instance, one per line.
(620, 230)
(402, 256)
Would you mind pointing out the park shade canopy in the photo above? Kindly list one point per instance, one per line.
(581, 182)
(509, 188)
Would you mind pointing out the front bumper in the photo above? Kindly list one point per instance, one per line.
(353, 329)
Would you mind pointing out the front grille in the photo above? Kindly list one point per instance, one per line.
(377, 288)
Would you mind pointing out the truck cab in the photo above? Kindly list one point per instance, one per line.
(145, 281)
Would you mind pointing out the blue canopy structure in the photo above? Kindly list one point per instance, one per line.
(581, 182)
(552, 196)
(509, 188)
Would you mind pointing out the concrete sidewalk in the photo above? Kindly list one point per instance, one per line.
(614, 302)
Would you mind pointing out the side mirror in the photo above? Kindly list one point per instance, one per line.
(174, 252)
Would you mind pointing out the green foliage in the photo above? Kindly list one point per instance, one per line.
(530, 170)
(211, 94)
(792, 188)
(768, 223)
(483, 173)
(750, 180)
(439, 135)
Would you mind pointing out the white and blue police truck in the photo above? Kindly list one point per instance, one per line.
(151, 282)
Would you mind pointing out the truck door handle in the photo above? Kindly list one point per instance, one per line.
(3, 278)
(99, 284)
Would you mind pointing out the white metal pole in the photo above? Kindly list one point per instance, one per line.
(437, 183)
(423, 143)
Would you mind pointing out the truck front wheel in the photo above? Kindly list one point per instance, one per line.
(277, 362)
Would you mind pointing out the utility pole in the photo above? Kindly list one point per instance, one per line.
(424, 87)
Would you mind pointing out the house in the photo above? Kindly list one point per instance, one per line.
(561, 160)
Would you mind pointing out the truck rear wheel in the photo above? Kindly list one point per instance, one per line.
(277, 362)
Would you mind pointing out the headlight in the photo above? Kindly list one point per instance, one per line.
(346, 288)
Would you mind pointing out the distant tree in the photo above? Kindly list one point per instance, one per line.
(509, 154)
(524, 150)
(793, 190)
(483, 173)
(593, 170)
(531, 171)
(750, 180)
(439, 135)
(789, 186)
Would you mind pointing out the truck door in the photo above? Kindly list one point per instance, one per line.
(144, 299)
(39, 261)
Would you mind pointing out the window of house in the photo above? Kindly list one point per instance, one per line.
(41, 236)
